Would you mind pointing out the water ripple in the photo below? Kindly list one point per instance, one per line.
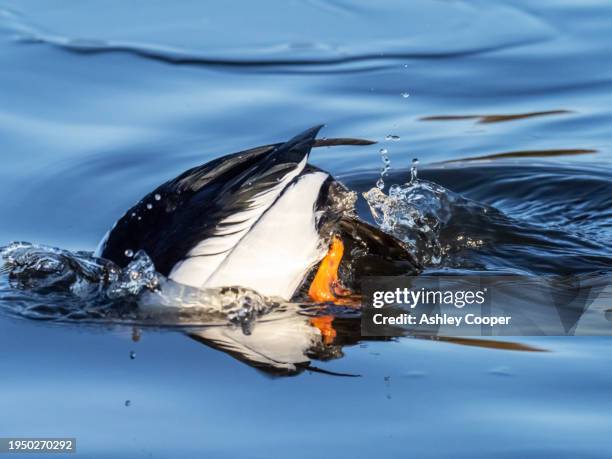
(291, 42)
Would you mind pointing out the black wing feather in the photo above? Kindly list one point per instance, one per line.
(172, 219)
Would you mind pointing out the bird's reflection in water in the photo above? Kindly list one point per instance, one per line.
(292, 344)
(286, 346)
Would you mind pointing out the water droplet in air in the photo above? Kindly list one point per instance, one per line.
(157, 196)
(129, 253)
(149, 206)
(405, 95)
(133, 214)
(385, 169)
(413, 170)
(132, 355)
(392, 137)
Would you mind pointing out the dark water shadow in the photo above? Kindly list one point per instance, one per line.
(494, 118)
(525, 154)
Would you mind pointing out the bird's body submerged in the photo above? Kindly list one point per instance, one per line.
(261, 219)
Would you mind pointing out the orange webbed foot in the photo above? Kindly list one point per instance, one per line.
(326, 286)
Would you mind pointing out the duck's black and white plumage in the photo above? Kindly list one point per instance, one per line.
(259, 219)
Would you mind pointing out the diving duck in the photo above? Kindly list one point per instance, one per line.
(263, 219)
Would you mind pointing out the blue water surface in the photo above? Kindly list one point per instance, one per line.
(100, 102)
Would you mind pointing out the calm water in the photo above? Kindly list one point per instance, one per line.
(102, 101)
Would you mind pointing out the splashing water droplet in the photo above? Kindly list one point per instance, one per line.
(137, 276)
(405, 95)
(395, 191)
(413, 171)
(385, 169)
(129, 253)
(133, 214)
(132, 355)
(157, 196)
(414, 213)
(392, 137)
(85, 284)
(149, 206)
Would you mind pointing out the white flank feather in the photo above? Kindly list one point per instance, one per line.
(276, 254)
(206, 257)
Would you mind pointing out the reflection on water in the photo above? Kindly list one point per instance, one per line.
(493, 118)
(103, 101)
(286, 346)
(290, 345)
(526, 154)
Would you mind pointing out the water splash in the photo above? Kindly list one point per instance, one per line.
(384, 156)
(137, 276)
(237, 305)
(342, 200)
(41, 268)
(414, 213)
(49, 283)
(413, 170)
